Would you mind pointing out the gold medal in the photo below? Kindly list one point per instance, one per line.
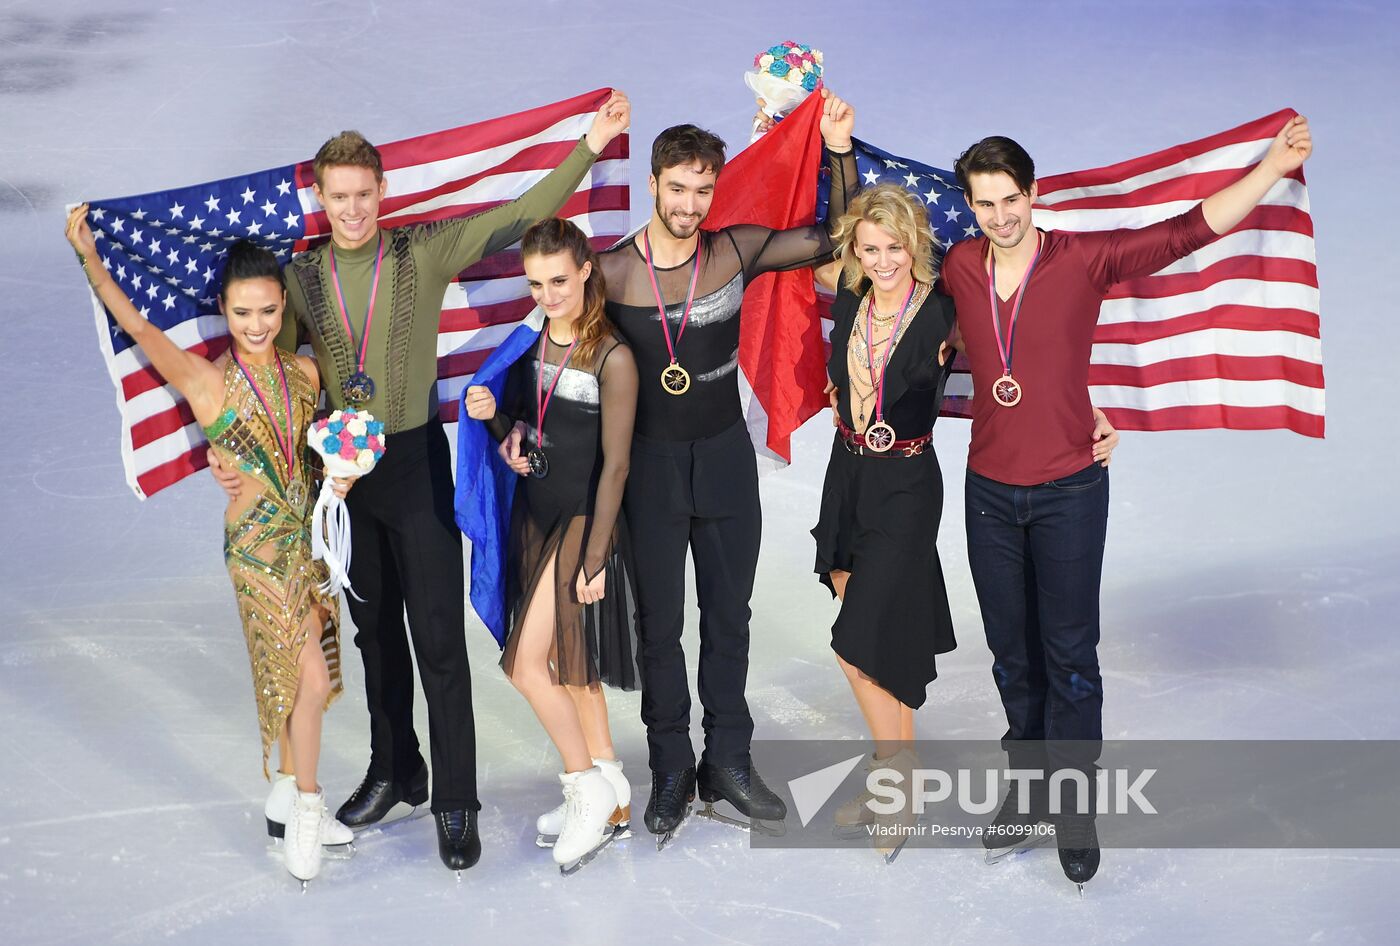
(675, 379)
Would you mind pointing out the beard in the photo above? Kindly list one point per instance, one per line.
(1006, 243)
(665, 219)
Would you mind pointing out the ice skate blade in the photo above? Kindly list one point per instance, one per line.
(999, 854)
(1081, 891)
(401, 812)
(892, 855)
(329, 852)
(620, 831)
(772, 829)
(666, 837)
(568, 870)
(851, 832)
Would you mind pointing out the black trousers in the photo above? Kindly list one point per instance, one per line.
(701, 495)
(407, 553)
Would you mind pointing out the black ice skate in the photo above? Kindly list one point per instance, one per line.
(1078, 843)
(742, 787)
(1013, 831)
(459, 844)
(669, 805)
(384, 802)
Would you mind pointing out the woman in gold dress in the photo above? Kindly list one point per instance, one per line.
(255, 403)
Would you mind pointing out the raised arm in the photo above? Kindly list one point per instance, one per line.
(198, 381)
(837, 124)
(617, 385)
(762, 250)
(1290, 148)
(457, 244)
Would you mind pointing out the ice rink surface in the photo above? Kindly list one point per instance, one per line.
(1251, 583)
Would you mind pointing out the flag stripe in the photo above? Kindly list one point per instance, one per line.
(1205, 367)
(1206, 416)
(1237, 317)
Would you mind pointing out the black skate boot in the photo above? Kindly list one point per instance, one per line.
(459, 844)
(375, 798)
(1078, 843)
(669, 805)
(742, 787)
(1012, 830)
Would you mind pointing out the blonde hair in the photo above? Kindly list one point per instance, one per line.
(900, 214)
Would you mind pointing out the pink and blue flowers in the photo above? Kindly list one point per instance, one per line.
(792, 62)
(354, 438)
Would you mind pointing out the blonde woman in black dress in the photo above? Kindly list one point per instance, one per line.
(883, 495)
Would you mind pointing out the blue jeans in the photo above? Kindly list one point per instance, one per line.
(1036, 554)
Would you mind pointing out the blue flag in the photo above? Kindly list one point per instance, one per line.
(486, 486)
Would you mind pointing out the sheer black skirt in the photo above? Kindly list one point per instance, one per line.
(594, 643)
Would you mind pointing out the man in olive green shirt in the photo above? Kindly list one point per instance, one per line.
(369, 301)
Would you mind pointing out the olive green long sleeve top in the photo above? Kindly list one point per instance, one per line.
(419, 263)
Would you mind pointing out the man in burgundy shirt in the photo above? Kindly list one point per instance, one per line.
(1037, 503)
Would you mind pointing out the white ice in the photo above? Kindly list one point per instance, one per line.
(1248, 581)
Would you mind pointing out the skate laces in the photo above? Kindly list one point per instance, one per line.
(364, 788)
(576, 800)
(1077, 836)
(309, 824)
(454, 824)
(667, 788)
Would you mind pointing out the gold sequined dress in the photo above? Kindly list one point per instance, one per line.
(267, 540)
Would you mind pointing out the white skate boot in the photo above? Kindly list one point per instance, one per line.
(277, 810)
(302, 848)
(549, 824)
(589, 803)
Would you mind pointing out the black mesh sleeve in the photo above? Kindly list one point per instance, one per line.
(617, 390)
(762, 250)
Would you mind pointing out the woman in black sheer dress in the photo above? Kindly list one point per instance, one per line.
(568, 586)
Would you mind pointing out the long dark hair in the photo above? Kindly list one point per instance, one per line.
(556, 235)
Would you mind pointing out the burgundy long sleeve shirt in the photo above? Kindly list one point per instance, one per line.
(1049, 434)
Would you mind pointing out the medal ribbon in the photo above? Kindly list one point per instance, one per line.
(870, 348)
(541, 397)
(661, 303)
(1005, 350)
(284, 439)
(369, 311)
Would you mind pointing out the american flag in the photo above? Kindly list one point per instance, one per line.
(1227, 337)
(166, 251)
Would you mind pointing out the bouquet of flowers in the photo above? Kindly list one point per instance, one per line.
(350, 443)
(784, 75)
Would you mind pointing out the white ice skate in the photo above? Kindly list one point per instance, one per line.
(549, 824)
(277, 811)
(589, 802)
(302, 848)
